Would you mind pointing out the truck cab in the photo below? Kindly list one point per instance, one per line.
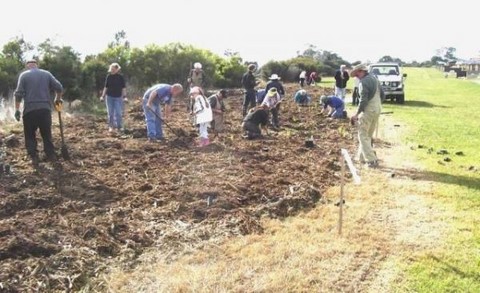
(392, 80)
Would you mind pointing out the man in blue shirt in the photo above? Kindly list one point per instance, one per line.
(336, 106)
(34, 87)
(154, 97)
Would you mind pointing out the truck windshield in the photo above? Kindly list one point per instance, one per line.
(384, 70)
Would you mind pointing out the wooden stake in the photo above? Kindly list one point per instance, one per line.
(342, 187)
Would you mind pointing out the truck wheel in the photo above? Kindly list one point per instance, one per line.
(401, 99)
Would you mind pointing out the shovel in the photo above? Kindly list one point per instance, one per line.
(168, 126)
(64, 149)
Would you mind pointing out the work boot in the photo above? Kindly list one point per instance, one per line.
(35, 162)
(206, 141)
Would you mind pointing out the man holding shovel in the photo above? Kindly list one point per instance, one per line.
(153, 98)
(33, 88)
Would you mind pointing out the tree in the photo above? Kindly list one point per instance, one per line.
(64, 63)
(12, 60)
(386, 58)
(447, 54)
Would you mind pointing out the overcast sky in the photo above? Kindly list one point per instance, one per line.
(258, 30)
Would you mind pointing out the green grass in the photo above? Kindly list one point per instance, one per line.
(442, 113)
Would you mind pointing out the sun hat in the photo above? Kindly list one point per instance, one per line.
(356, 69)
(274, 77)
(272, 92)
(197, 65)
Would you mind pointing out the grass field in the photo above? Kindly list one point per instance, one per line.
(444, 113)
(413, 233)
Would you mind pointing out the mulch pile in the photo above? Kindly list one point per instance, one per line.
(119, 195)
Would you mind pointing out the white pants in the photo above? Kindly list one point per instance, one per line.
(203, 130)
(340, 93)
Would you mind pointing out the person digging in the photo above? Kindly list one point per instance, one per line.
(218, 108)
(153, 98)
(333, 106)
(255, 118)
(33, 88)
(272, 103)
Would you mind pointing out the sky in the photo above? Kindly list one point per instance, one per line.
(258, 30)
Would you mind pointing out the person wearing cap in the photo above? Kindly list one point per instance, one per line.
(249, 82)
(115, 94)
(302, 98)
(153, 98)
(196, 77)
(255, 118)
(218, 109)
(203, 114)
(34, 88)
(368, 112)
(272, 102)
(341, 78)
(334, 106)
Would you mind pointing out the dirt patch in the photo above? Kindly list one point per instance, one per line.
(121, 195)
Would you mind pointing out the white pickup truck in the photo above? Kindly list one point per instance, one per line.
(392, 80)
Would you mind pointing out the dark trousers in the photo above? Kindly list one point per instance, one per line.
(355, 96)
(252, 129)
(38, 119)
(302, 81)
(275, 121)
(249, 100)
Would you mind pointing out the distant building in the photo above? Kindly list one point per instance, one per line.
(462, 68)
(473, 66)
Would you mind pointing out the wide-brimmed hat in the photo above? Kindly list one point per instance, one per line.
(197, 65)
(356, 69)
(274, 77)
(272, 92)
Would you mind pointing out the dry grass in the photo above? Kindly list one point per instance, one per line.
(386, 220)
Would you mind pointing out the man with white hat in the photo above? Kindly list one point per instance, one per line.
(368, 112)
(196, 77)
(275, 83)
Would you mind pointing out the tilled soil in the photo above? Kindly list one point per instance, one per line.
(62, 225)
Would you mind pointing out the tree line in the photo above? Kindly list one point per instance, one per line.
(143, 67)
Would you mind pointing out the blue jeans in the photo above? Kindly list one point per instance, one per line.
(115, 111)
(338, 112)
(154, 125)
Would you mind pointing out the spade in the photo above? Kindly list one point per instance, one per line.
(64, 149)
